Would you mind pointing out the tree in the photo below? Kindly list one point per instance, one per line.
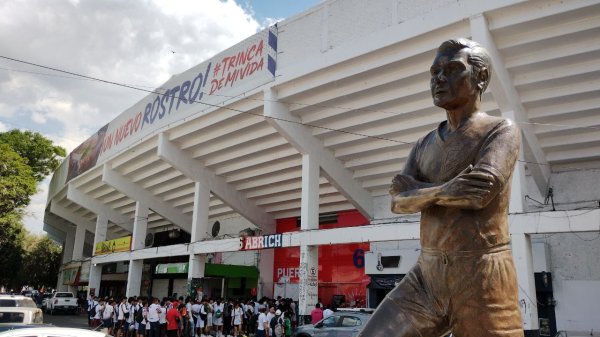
(17, 182)
(12, 235)
(41, 262)
(26, 158)
(39, 152)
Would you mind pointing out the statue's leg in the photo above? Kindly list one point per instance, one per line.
(485, 296)
(409, 310)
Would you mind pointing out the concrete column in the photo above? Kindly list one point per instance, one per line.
(96, 270)
(309, 219)
(518, 189)
(140, 228)
(521, 249)
(134, 278)
(95, 277)
(78, 244)
(60, 286)
(68, 245)
(199, 229)
(265, 268)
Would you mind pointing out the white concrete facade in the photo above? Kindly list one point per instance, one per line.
(348, 99)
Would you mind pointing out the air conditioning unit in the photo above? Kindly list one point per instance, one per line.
(390, 261)
(149, 241)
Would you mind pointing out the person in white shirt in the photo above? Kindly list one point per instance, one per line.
(98, 316)
(162, 317)
(198, 323)
(129, 321)
(141, 326)
(91, 303)
(204, 316)
(218, 311)
(188, 309)
(153, 317)
(121, 322)
(115, 318)
(107, 316)
(236, 319)
(250, 319)
(133, 307)
(327, 312)
(263, 324)
(209, 317)
(270, 316)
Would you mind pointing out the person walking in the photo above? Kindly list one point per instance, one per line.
(153, 318)
(287, 322)
(316, 314)
(262, 329)
(107, 316)
(142, 319)
(218, 309)
(173, 318)
(236, 319)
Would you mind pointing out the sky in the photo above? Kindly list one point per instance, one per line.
(141, 43)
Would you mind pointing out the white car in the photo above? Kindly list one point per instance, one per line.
(24, 315)
(52, 332)
(64, 301)
(16, 301)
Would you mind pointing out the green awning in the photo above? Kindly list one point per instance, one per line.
(214, 270)
(229, 270)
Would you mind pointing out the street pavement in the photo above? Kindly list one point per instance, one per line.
(67, 320)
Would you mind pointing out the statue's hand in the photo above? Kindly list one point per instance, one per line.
(468, 185)
(401, 183)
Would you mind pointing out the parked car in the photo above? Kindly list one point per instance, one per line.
(52, 331)
(16, 301)
(12, 326)
(343, 323)
(24, 315)
(62, 301)
(45, 300)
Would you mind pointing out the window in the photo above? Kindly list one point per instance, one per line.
(350, 321)
(330, 321)
(390, 261)
(12, 317)
(21, 302)
(27, 303)
(64, 295)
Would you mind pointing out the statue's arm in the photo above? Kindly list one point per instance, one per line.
(409, 195)
(478, 185)
(474, 188)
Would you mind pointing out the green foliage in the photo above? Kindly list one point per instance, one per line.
(39, 152)
(17, 182)
(41, 262)
(26, 158)
(12, 235)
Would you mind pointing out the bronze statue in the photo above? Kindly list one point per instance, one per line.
(458, 176)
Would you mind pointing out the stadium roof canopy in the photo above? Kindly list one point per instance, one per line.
(351, 88)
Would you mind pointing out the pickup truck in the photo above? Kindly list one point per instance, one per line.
(62, 301)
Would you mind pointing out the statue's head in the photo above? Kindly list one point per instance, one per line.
(460, 71)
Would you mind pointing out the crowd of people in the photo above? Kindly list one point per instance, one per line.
(179, 317)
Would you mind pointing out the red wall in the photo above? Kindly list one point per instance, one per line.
(341, 267)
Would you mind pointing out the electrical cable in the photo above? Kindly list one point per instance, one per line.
(283, 119)
(90, 78)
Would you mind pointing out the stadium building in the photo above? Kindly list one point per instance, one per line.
(265, 169)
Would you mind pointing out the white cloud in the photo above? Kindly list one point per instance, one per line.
(38, 117)
(34, 214)
(121, 41)
(3, 127)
